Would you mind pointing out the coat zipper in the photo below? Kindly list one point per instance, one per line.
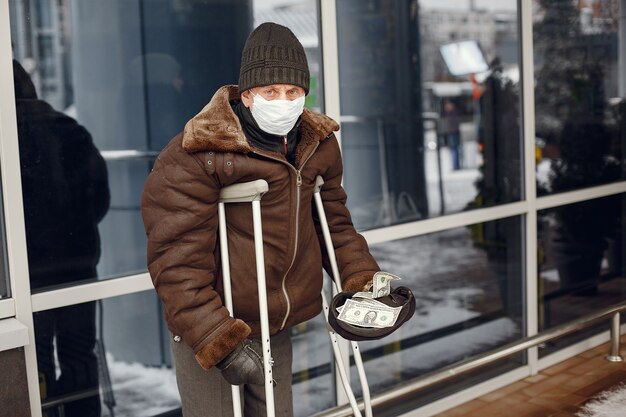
(285, 146)
(295, 249)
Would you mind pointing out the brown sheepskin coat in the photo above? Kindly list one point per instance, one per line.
(179, 208)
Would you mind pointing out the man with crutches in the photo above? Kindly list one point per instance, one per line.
(256, 130)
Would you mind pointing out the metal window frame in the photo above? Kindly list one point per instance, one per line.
(13, 209)
(7, 308)
(22, 304)
(527, 118)
(332, 108)
(77, 294)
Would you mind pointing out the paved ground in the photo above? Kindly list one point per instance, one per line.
(558, 391)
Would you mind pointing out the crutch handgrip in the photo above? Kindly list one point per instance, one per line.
(319, 181)
(244, 192)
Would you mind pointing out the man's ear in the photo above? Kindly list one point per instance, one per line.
(246, 99)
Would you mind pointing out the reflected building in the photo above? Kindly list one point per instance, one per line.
(381, 112)
(440, 26)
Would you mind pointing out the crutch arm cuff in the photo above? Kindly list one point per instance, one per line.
(222, 344)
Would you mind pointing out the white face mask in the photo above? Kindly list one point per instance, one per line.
(276, 117)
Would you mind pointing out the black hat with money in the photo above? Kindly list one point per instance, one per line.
(400, 297)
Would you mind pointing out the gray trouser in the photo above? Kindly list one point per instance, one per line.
(207, 394)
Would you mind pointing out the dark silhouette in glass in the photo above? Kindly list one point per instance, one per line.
(66, 194)
(583, 133)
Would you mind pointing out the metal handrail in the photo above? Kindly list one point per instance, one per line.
(68, 398)
(128, 154)
(432, 378)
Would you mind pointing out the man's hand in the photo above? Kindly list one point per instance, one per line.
(244, 365)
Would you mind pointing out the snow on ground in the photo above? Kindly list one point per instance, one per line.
(141, 391)
(611, 403)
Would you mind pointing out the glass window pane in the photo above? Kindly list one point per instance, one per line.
(580, 94)
(581, 263)
(105, 358)
(313, 377)
(422, 135)
(102, 89)
(468, 286)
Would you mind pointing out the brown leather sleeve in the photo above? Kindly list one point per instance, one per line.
(216, 348)
(179, 209)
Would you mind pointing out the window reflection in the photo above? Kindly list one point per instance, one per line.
(105, 369)
(468, 287)
(581, 262)
(132, 73)
(313, 377)
(64, 187)
(65, 193)
(580, 92)
(423, 133)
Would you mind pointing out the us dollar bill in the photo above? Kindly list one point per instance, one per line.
(364, 294)
(365, 301)
(382, 283)
(368, 314)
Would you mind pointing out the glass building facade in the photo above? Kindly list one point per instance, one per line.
(483, 146)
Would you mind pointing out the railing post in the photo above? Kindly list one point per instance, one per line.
(614, 355)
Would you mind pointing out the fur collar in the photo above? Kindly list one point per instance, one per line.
(217, 127)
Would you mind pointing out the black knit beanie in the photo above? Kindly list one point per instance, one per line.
(273, 55)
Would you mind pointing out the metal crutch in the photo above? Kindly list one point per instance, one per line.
(341, 368)
(337, 284)
(237, 193)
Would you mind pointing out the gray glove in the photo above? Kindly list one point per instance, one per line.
(244, 365)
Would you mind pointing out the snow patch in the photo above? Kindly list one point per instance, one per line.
(611, 403)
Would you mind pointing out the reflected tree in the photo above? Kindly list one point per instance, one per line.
(573, 118)
(500, 173)
(500, 182)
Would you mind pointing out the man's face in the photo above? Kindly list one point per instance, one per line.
(272, 92)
